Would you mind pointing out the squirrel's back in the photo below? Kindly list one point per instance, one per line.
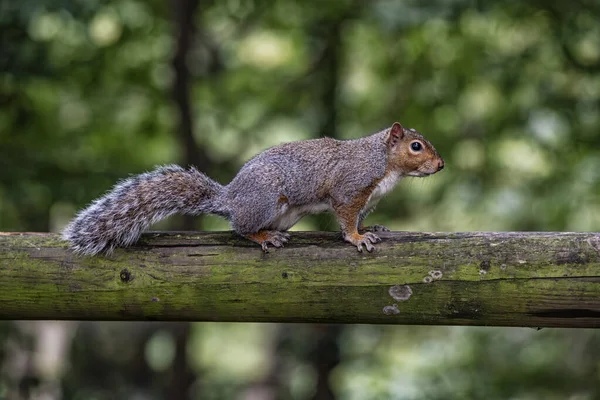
(307, 169)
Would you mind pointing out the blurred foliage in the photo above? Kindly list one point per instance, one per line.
(507, 91)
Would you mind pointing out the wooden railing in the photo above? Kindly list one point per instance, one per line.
(480, 278)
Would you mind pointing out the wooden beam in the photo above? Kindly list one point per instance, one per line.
(502, 279)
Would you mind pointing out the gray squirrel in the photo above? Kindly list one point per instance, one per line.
(269, 194)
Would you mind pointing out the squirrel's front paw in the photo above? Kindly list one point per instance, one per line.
(374, 228)
(363, 240)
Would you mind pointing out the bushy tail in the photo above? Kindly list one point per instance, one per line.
(118, 218)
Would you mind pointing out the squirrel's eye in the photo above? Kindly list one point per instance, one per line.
(416, 146)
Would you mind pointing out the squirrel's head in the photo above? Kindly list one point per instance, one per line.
(410, 153)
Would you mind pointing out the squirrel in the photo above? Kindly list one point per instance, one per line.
(270, 193)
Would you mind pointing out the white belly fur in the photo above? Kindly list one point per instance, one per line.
(291, 214)
(387, 184)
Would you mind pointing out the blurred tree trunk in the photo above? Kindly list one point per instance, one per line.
(326, 352)
(185, 29)
(182, 375)
(328, 81)
(325, 357)
(327, 32)
(185, 12)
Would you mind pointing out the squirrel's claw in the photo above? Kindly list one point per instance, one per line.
(273, 238)
(367, 245)
(264, 247)
(365, 240)
(372, 237)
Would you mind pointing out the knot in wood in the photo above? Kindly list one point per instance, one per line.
(125, 276)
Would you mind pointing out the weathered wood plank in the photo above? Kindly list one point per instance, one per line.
(507, 279)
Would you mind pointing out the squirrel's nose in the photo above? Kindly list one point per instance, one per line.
(440, 165)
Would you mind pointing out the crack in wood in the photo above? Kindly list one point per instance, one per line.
(566, 313)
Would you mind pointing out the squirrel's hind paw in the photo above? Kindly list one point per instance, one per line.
(266, 238)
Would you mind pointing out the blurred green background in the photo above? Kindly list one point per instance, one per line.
(509, 93)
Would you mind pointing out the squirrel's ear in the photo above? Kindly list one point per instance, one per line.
(396, 134)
